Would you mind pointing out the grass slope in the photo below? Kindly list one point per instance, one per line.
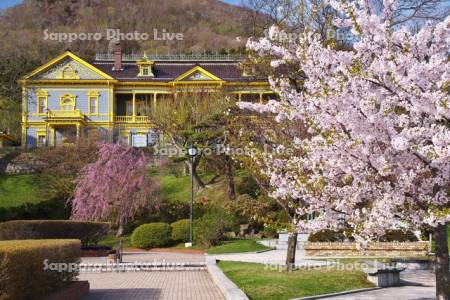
(261, 284)
(236, 246)
(448, 237)
(19, 189)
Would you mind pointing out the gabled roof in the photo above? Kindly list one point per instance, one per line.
(62, 57)
(168, 71)
(197, 70)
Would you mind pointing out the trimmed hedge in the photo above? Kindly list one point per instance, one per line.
(22, 267)
(87, 232)
(53, 209)
(399, 235)
(180, 230)
(151, 235)
(328, 235)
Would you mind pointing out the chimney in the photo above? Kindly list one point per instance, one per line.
(117, 57)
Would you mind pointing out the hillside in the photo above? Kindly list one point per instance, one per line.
(206, 25)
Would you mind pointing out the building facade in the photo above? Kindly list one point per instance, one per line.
(68, 98)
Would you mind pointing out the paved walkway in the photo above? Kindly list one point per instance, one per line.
(273, 257)
(177, 285)
(161, 285)
(418, 285)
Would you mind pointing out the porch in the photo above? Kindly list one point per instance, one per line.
(133, 107)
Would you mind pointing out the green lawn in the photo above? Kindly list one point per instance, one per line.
(19, 189)
(237, 246)
(175, 189)
(260, 283)
(448, 236)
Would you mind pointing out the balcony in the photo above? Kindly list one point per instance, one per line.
(66, 116)
(131, 119)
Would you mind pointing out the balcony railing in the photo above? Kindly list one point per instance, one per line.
(173, 57)
(131, 119)
(65, 114)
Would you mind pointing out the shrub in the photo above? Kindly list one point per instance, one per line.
(54, 209)
(180, 230)
(88, 232)
(151, 235)
(328, 235)
(399, 235)
(23, 274)
(209, 230)
(248, 186)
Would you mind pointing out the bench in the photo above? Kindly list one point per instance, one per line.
(384, 277)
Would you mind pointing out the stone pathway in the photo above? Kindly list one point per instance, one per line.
(161, 285)
(177, 285)
(273, 257)
(419, 285)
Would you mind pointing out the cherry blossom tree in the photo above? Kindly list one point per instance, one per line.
(115, 187)
(378, 118)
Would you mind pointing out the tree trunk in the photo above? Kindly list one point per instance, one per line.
(292, 247)
(120, 230)
(442, 264)
(197, 180)
(230, 181)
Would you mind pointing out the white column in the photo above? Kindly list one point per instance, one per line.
(134, 107)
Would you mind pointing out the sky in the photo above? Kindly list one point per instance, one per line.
(8, 3)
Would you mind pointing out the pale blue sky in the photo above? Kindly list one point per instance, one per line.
(8, 3)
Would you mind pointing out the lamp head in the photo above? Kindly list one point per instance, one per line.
(192, 151)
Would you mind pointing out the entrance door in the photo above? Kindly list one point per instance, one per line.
(65, 135)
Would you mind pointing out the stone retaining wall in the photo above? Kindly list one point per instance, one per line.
(406, 249)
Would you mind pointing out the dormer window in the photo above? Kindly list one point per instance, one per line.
(247, 69)
(145, 67)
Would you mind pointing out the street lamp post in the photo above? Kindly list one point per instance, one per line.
(192, 152)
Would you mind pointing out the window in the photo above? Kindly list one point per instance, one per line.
(140, 108)
(129, 108)
(247, 69)
(42, 97)
(67, 102)
(41, 138)
(93, 102)
(42, 103)
(145, 67)
(92, 105)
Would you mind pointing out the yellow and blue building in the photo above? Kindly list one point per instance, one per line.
(68, 97)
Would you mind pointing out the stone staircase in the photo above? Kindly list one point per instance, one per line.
(282, 242)
(140, 267)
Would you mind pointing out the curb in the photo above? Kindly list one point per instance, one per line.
(226, 286)
(323, 296)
